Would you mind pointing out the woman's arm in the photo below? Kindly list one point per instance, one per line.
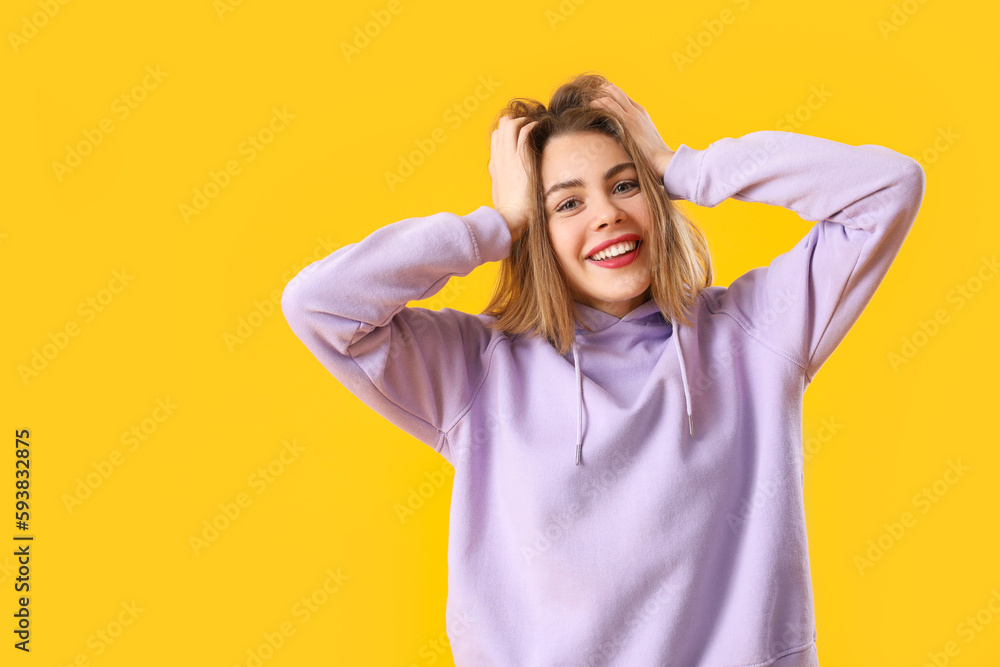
(864, 199)
(418, 368)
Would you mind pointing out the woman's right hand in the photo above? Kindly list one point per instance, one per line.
(510, 178)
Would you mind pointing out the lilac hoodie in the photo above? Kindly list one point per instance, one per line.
(638, 500)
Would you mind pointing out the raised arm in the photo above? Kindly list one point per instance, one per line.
(417, 367)
(864, 200)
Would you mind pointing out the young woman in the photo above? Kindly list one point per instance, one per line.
(626, 437)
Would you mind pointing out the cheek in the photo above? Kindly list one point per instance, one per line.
(566, 250)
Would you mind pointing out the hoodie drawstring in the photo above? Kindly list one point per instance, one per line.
(579, 405)
(579, 391)
(684, 377)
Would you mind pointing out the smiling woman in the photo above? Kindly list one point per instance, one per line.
(594, 178)
(596, 223)
(652, 549)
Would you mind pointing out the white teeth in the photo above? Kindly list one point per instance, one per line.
(615, 250)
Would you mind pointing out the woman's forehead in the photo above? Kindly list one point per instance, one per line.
(585, 141)
(579, 154)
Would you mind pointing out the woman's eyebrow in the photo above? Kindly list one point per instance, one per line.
(576, 182)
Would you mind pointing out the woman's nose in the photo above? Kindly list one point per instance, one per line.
(606, 212)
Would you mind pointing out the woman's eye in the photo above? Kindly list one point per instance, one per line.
(562, 207)
(565, 205)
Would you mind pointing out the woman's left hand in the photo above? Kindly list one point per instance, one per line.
(639, 124)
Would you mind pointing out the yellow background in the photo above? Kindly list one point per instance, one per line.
(321, 180)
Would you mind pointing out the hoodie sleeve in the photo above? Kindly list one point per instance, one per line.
(863, 199)
(418, 368)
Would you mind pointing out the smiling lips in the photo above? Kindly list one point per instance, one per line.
(626, 252)
(604, 245)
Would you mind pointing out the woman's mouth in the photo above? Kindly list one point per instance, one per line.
(631, 251)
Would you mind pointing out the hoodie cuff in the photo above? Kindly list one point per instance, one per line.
(490, 232)
(680, 179)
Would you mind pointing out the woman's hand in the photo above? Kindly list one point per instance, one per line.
(510, 178)
(639, 124)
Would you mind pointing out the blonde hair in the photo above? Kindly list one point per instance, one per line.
(531, 295)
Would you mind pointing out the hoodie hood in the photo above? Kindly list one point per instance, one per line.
(647, 314)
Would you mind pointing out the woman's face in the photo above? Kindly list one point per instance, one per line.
(591, 193)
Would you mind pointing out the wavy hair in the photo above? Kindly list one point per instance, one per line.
(531, 295)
